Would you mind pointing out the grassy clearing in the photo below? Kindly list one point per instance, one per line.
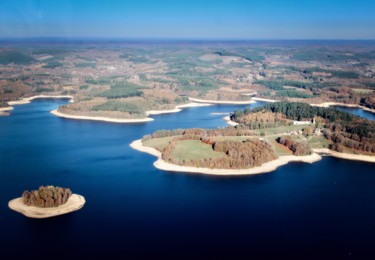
(318, 142)
(159, 143)
(231, 138)
(280, 130)
(362, 90)
(194, 150)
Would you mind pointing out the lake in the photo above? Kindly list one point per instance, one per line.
(358, 112)
(326, 209)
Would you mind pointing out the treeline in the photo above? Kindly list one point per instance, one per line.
(238, 155)
(293, 94)
(53, 64)
(341, 128)
(351, 141)
(49, 51)
(298, 111)
(15, 56)
(278, 86)
(46, 196)
(260, 120)
(368, 101)
(334, 73)
(129, 107)
(297, 148)
(249, 56)
(122, 90)
(200, 132)
(85, 65)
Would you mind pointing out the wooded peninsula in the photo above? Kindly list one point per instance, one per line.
(266, 134)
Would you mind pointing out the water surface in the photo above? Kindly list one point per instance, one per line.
(324, 209)
(358, 112)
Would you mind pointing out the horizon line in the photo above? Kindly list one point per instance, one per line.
(173, 39)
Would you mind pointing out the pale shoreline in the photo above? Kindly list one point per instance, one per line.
(176, 109)
(196, 103)
(264, 100)
(4, 109)
(103, 119)
(222, 102)
(266, 167)
(140, 120)
(74, 203)
(347, 156)
(29, 99)
(336, 104)
(230, 122)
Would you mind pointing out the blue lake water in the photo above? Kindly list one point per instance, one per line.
(358, 112)
(326, 209)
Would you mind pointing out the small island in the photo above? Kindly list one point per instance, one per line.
(263, 139)
(47, 201)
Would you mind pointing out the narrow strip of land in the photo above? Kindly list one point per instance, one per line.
(176, 109)
(264, 100)
(104, 119)
(347, 156)
(329, 104)
(223, 102)
(29, 99)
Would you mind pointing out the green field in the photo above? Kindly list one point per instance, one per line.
(159, 143)
(362, 90)
(280, 130)
(231, 138)
(318, 142)
(194, 150)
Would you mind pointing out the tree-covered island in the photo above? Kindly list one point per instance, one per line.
(47, 201)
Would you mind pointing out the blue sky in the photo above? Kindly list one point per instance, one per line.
(204, 19)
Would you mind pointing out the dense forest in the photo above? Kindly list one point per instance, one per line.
(297, 148)
(200, 132)
(343, 129)
(46, 196)
(260, 120)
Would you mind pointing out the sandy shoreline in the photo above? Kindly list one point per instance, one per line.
(4, 109)
(222, 102)
(29, 99)
(329, 104)
(229, 122)
(141, 120)
(75, 202)
(264, 100)
(266, 167)
(176, 109)
(103, 119)
(347, 156)
(220, 113)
